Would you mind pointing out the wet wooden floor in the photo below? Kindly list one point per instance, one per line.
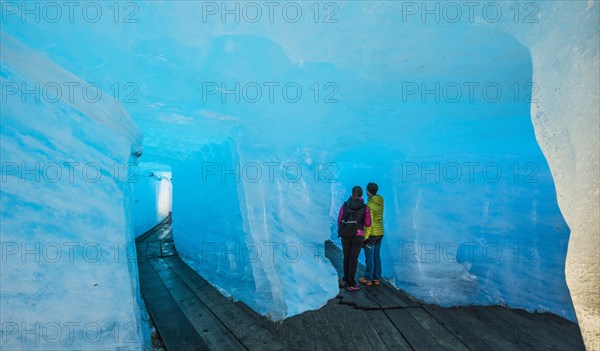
(192, 315)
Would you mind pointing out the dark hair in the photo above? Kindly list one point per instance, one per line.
(357, 191)
(372, 188)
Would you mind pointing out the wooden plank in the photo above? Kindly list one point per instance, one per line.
(437, 330)
(339, 317)
(331, 245)
(335, 338)
(165, 232)
(143, 237)
(244, 327)
(418, 338)
(359, 299)
(389, 297)
(153, 249)
(175, 330)
(274, 328)
(167, 248)
(571, 332)
(295, 334)
(372, 334)
(366, 331)
(482, 330)
(386, 297)
(140, 248)
(354, 331)
(335, 255)
(460, 331)
(510, 332)
(403, 296)
(321, 329)
(542, 332)
(149, 234)
(290, 335)
(153, 236)
(387, 332)
(210, 328)
(384, 300)
(558, 325)
(308, 331)
(155, 230)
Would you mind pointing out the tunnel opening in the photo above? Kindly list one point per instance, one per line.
(153, 199)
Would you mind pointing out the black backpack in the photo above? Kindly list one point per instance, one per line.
(349, 223)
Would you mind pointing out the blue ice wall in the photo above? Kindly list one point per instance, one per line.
(68, 277)
(379, 103)
(247, 233)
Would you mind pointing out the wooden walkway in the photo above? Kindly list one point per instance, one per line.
(191, 315)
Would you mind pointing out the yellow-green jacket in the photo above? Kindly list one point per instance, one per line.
(375, 204)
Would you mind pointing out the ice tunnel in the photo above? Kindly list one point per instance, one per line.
(251, 123)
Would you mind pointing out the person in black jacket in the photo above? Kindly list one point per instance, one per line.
(352, 244)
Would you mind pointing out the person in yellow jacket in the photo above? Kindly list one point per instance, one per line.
(373, 237)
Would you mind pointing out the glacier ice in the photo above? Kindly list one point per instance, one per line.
(66, 239)
(250, 237)
(365, 114)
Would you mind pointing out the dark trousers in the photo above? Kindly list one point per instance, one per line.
(351, 247)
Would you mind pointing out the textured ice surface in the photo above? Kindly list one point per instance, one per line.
(68, 274)
(251, 236)
(480, 239)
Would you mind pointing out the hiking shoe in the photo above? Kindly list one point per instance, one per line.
(376, 281)
(353, 288)
(364, 280)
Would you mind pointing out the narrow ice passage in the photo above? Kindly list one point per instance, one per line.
(482, 134)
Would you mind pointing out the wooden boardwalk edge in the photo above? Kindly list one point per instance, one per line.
(190, 314)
